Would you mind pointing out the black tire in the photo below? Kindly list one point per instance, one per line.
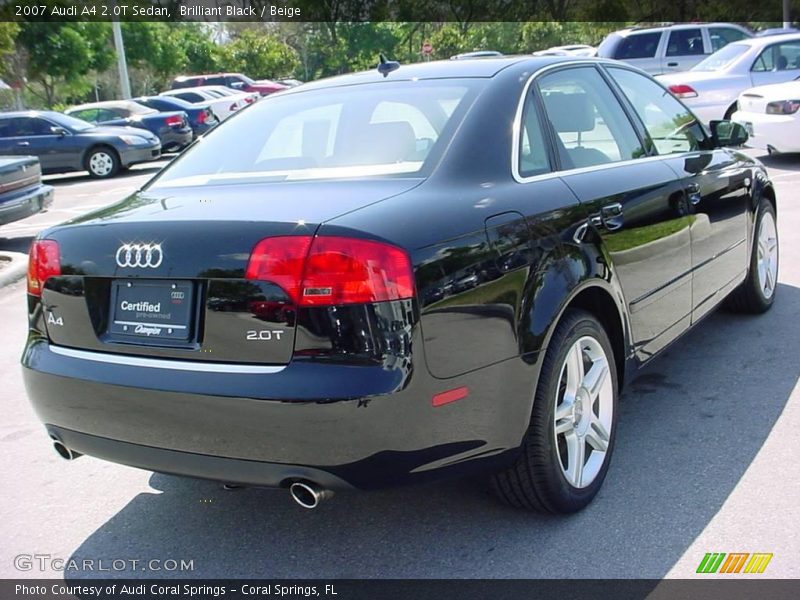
(102, 162)
(750, 296)
(536, 480)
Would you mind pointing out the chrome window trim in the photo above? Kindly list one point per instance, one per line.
(161, 363)
(517, 129)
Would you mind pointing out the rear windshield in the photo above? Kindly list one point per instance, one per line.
(721, 58)
(388, 128)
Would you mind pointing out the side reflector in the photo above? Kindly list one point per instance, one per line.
(43, 261)
(450, 396)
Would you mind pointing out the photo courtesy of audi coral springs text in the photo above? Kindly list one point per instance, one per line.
(398, 275)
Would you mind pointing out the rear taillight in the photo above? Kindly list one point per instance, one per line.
(202, 117)
(328, 271)
(43, 261)
(683, 91)
(174, 120)
(784, 107)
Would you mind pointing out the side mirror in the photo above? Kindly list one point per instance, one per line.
(59, 131)
(728, 134)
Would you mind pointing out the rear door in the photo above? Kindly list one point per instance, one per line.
(685, 48)
(632, 200)
(714, 182)
(777, 63)
(33, 136)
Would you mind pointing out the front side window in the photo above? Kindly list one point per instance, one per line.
(638, 45)
(779, 57)
(670, 125)
(685, 42)
(373, 129)
(591, 125)
(33, 126)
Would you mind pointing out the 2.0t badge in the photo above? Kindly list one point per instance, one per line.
(140, 255)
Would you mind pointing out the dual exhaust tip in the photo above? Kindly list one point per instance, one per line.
(63, 451)
(306, 493)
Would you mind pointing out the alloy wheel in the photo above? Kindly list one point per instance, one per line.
(584, 412)
(767, 259)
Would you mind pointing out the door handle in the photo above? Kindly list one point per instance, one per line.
(672, 64)
(693, 193)
(23, 143)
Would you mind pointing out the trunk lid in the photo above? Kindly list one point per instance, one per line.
(162, 273)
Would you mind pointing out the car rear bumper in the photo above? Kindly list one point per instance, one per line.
(336, 425)
(776, 131)
(176, 139)
(138, 154)
(26, 203)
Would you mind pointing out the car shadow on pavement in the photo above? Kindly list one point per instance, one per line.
(689, 428)
(785, 162)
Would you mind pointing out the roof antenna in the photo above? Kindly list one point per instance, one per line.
(386, 66)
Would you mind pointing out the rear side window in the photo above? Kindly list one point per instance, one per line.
(89, 114)
(532, 149)
(685, 42)
(779, 57)
(670, 125)
(638, 45)
(722, 36)
(8, 128)
(590, 124)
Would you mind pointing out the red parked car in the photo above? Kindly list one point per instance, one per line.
(235, 81)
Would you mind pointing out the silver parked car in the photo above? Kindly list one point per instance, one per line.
(669, 48)
(711, 88)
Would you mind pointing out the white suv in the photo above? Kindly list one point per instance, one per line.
(669, 48)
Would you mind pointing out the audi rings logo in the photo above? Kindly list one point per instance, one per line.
(140, 255)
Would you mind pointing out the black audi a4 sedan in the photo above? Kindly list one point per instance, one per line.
(442, 269)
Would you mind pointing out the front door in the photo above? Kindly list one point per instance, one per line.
(633, 202)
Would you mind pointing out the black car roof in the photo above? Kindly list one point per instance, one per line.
(440, 69)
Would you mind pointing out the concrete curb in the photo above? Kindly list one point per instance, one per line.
(17, 269)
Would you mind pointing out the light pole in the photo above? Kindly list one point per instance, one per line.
(125, 84)
(787, 17)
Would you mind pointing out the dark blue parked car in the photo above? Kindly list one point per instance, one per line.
(201, 117)
(63, 143)
(171, 128)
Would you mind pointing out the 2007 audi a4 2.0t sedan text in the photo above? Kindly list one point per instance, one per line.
(398, 275)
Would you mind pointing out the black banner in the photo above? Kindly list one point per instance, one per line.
(460, 11)
(410, 589)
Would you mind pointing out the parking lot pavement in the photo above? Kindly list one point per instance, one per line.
(706, 461)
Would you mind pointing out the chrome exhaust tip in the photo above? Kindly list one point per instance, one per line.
(65, 452)
(308, 495)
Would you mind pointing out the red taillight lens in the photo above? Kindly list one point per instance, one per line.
(280, 260)
(683, 91)
(784, 107)
(43, 261)
(174, 120)
(327, 271)
(202, 117)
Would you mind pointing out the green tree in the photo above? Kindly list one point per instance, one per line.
(259, 55)
(61, 55)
